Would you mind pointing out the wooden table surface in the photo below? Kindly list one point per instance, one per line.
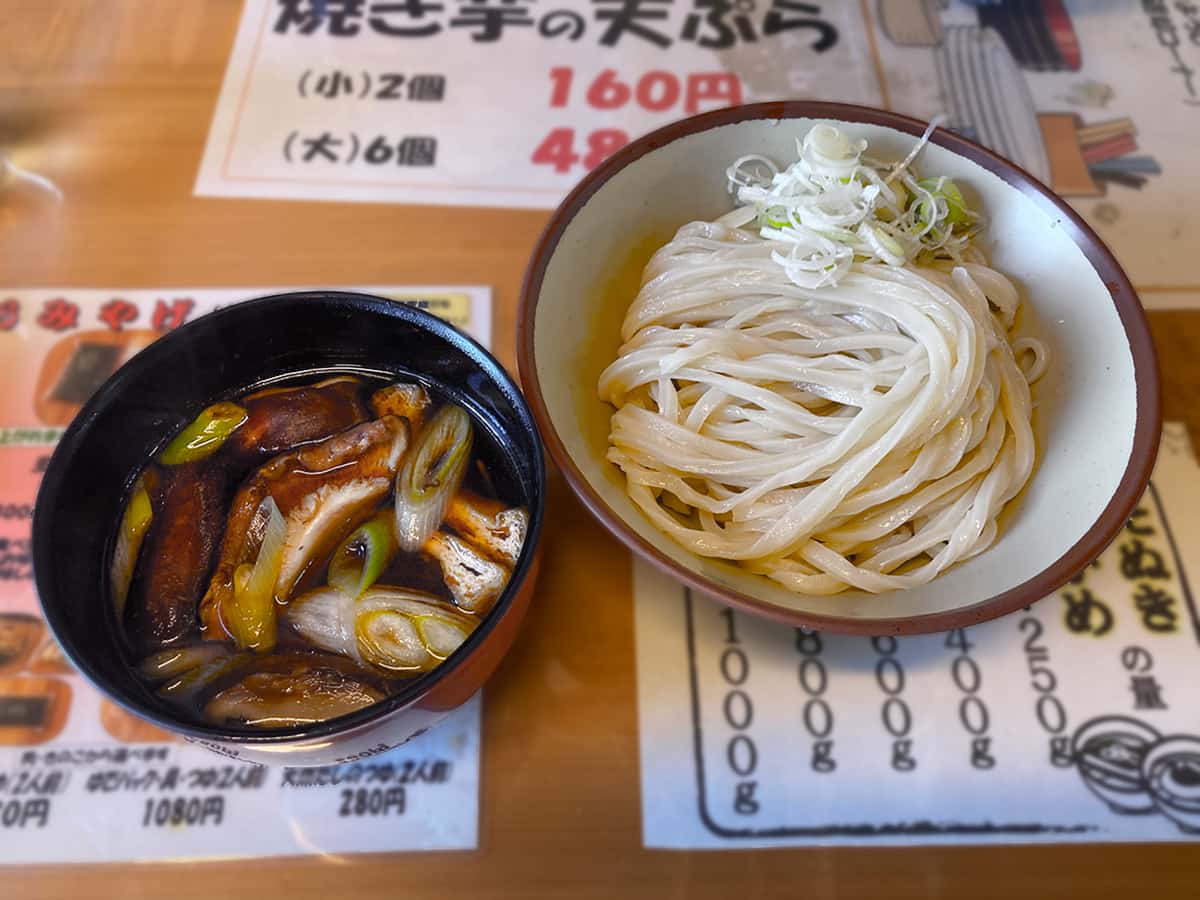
(111, 100)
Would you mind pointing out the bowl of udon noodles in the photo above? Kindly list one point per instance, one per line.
(300, 529)
(840, 368)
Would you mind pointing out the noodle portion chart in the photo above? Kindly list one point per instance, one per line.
(1075, 719)
(82, 780)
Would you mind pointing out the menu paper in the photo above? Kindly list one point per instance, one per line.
(493, 104)
(81, 780)
(1075, 719)
(488, 103)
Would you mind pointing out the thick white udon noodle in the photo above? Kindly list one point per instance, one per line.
(824, 437)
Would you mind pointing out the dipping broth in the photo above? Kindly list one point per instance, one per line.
(300, 552)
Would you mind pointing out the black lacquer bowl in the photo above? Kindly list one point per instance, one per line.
(223, 353)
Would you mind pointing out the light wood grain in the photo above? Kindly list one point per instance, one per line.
(111, 99)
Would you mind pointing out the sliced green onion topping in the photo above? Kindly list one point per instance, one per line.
(175, 661)
(945, 189)
(363, 556)
(195, 680)
(205, 435)
(250, 617)
(135, 522)
(431, 474)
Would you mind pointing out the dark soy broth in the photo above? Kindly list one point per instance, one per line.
(305, 549)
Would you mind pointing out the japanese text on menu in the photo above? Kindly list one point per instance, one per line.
(583, 78)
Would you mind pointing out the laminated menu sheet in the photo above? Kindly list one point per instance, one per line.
(81, 780)
(490, 103)
(1076, 719)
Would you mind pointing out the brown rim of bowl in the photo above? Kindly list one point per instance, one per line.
(1133, 319)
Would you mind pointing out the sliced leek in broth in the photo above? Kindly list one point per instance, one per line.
(366, 530)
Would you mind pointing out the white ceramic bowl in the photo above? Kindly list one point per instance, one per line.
(1098, 410)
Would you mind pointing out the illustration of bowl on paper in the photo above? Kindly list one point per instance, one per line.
(1172, 774)
(1109, 753)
